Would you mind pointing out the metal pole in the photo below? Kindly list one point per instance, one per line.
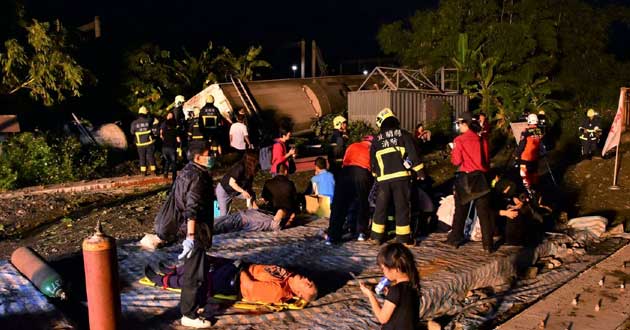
(313, 58)
(616, 169)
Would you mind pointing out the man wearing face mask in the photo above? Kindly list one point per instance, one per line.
(188, 213)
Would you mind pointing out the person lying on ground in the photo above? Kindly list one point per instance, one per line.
(251, 282)
(187, 211)
(401, 308)
(252, 220)
(238, 182)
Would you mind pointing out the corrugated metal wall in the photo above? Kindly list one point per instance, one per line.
(411, 107)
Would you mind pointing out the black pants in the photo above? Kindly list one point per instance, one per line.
(352, 188)
(396, 194)
(589, 147)
(486, 220)
(194, 283)
(170, 160)
(146, 157)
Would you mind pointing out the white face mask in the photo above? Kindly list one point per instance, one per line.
(457, 127)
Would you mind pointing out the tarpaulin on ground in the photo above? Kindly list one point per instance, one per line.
(446, 275)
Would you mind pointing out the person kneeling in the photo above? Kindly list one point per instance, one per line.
(252, 282)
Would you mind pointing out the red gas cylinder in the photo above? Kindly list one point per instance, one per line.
(101, 280)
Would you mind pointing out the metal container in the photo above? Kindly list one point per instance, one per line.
(101, 281)
(44, 277)
(410, 106)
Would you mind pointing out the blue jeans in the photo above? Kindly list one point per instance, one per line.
(248, 220)
(225, 199)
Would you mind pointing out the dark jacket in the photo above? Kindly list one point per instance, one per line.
(280, 192)
(337, 145)
(141, 129)
(191, 198)
(590, 129)
(387, 154)
(210, 116)
(195, 129)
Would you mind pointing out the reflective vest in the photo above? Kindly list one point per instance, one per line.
(195, 131)
(209, 115)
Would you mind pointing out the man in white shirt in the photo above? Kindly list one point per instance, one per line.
(239, 138)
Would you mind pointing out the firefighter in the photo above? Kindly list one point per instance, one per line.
(338, 141)
(141, 129)
(194, 129)
(393, 157)
(528, 152)
(590, 133)
(211, 119)
(178, 110)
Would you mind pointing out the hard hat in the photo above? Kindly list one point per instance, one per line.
(143, 110)
(210, 99)
(532, 119)
(591, 113)
(196, 111)
(180, 99)
(338, 121)
(541, 112)
(384, 114)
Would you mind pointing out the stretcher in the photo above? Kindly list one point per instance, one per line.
(294, 303)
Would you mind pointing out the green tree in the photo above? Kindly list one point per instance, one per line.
(42, 64)
(243, 66)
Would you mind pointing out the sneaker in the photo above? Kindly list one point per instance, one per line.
(197, 323)
(150, 242)
(362, 237)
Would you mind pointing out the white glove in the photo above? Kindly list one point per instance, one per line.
(187, 245)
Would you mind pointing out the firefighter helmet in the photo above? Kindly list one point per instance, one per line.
(591, 113)
(532, 119)
(338, 121)
(179, 99)
(384, 114)
(143, 110)
(541, 112)
(210, 99)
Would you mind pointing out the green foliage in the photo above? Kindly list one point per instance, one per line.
(323, 127)
(515, 55)
(28, 159)
(228, 64)
(154, 76)
(358, 129)
(42, 65)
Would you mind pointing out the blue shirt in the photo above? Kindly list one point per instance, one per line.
(325, 182)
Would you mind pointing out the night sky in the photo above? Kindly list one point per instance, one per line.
(344, 30)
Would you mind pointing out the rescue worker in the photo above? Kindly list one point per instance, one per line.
(338, 140)
(170, 141)
(352, 188)
(590, 133)
(194, 129)
(470, 155)
(393, 156)
(528, 152)
(141, 129)
(211, 119)
(178, 110)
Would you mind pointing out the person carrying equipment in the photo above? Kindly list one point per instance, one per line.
(528, 153)
(338, 141)
(141, 129)
(393, 156)
(590, 132)
(269, 284)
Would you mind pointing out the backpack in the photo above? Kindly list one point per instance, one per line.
(264, 157)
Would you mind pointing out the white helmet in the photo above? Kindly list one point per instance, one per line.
(532, 119)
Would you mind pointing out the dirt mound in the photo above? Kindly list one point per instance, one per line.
(588, 184)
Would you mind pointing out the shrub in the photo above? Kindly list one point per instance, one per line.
(33, 159)
(323, 127)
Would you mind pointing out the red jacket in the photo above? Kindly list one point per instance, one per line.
(358, 154)
(467, 153)
(278, 153)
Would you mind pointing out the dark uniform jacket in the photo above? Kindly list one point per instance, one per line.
(141, 129)
(195, 129)
(191, 198)
(338, 145)
(388, 153)
(210, 116)
(590, 129)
